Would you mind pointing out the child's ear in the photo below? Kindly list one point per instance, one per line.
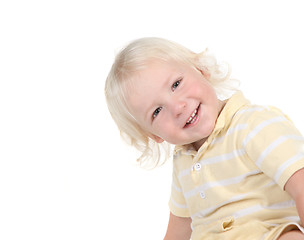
(157, 138)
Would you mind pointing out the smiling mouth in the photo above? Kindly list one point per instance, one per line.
(193, 117)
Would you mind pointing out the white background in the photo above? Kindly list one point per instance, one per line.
(64, 172)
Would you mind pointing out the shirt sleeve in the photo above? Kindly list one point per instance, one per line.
(275, 145)
(177, 202)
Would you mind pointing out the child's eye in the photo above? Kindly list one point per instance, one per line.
(175, 84)
(156, 112)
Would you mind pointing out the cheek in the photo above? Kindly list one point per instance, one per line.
(198, 89)
(164, 130)
(207, 90)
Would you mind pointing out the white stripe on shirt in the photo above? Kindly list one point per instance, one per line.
(258, 128)
(208, 211)
(213, 160)
(230, 131)
(221, 183)
(176, 187)
(274, 144)
(183, 206)
(286, 164)
(252, 109)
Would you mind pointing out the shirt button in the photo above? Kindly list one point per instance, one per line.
(197, 166)
(202, 194)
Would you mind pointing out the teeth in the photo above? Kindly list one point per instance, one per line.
(192, 117)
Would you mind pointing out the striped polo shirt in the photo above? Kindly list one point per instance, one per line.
(233, 186)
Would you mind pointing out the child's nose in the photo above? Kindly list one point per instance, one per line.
(178, 108)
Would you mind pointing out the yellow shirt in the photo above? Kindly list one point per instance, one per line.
(233, 186)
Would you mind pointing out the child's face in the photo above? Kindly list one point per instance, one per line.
(174, 102)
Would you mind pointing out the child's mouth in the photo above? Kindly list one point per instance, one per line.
(193, 117)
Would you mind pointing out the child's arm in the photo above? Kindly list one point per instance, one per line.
(295, 187)
(179, 228)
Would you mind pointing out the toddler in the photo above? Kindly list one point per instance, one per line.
(238, 168)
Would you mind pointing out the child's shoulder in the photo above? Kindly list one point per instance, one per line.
(261, 123)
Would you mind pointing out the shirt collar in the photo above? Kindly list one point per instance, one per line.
(231, 107)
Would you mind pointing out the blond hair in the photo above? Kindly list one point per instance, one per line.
(129, 62)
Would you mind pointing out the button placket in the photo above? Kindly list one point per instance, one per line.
(197, 167)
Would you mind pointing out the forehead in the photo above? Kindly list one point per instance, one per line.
(157, 70)
(152, 75)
